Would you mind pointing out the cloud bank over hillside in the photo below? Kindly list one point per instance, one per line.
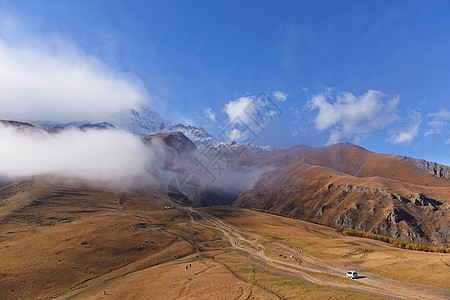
(109, 156)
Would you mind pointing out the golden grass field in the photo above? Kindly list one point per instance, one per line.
(353, 252)
(78, 242)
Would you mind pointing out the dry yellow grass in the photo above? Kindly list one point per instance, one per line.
(326, 244)
(80, 241)
(208, 279)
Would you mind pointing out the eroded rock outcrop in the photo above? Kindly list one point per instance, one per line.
(433, 168)
(418, 199)
(349, 186)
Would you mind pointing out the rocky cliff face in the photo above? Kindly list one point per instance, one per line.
(174, 148)
(433, 168)
(348, 186)
(175, 140)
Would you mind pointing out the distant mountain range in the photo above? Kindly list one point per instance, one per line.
(144, 121)
(343, 184)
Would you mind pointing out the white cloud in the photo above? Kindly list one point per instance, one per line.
(254, 111)
(50, 79)
(448, 141)
(280, 96)
(238, 116)
(237, 135)
(209, 114)
(110, 156)
(237, 109)
(439, 122)
(407, 133)
(249, 115)
(348, 116)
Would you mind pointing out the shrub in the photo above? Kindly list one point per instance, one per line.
(352, 232)
(395, 242)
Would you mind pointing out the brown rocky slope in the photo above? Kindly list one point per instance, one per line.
(346, 185)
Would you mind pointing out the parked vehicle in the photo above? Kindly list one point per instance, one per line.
(352, 274)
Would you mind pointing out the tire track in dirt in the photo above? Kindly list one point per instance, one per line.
(374, 284)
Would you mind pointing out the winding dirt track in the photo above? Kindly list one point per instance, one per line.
(309, 268)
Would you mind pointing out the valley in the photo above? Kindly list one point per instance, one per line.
(203, 150)
(75, 241)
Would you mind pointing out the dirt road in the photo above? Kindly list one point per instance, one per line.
(309, 268)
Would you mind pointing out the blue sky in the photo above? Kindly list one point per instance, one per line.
(375, 73)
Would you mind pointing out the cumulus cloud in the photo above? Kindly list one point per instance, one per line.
(350, 116)
(209, 114)
(280, 96)
(238, 117)
(439, 122)
(50, 79)
(237, 135)
(249, 115)
(448, 141)
(237, 109)
(109, 156)
(405, 134)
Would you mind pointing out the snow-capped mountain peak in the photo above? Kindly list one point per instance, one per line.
(142, 121)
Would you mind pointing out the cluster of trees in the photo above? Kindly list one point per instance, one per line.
(351, 232)
(271, 212)
(395, 242)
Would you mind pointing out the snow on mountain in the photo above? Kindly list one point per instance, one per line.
(203, 139)
(54, 126)
(144, 121)
(197, 135)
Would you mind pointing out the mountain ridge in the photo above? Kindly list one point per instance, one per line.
(144, 121)
(349, 186)
(433, 168)
(342, 184)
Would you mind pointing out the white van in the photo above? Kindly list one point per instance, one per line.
(352, 274)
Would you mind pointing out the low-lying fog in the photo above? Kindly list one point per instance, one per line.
(113, 157)
(110, 156)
